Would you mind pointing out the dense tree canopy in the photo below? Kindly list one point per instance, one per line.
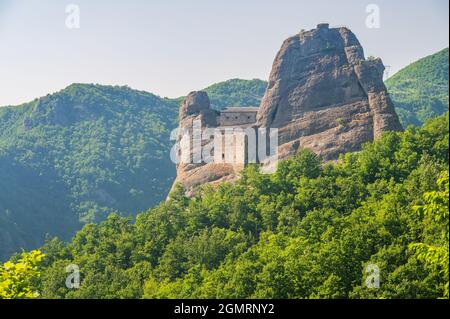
(77, 155)
(311, 230)
(18, 279)
(94, 153)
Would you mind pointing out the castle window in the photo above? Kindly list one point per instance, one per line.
(223, 156)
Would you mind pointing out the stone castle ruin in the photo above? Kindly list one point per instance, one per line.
(233, 147)
(322, 94)
(232, 116)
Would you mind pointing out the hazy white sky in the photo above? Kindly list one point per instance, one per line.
(175, 46)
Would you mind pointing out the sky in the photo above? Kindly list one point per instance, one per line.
(173, 47)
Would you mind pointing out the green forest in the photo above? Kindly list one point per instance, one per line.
(308, 231)
(90, 150)
(420, 90)
(79, 155)
(87, 151)
(85, 173)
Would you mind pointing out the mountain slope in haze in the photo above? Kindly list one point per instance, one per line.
(77, 155)
(420, 90)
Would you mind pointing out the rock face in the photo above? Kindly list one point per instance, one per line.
(324, 95)
(196, 106)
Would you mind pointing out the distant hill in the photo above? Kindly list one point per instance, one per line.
(420, 90)
(236, 92)
(77, 155)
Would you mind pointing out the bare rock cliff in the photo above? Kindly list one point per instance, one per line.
(324, 95)
(196, 106)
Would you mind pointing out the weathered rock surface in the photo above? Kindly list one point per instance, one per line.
(324, 95)
(196, 106)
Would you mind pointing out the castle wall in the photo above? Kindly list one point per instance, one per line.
(236, 118)
(230, 147)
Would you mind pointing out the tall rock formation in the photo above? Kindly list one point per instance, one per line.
(196, 106)
(324, 95)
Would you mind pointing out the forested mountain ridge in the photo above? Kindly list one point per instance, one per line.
(308, 231)
(236, 92)
(79, 154)
(420, 90)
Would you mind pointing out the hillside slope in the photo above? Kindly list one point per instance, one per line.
(77, 155)
(308, 231)
(236, 92)
(420, 90)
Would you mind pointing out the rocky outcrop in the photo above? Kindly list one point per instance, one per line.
(196, 106)
(324, 95)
